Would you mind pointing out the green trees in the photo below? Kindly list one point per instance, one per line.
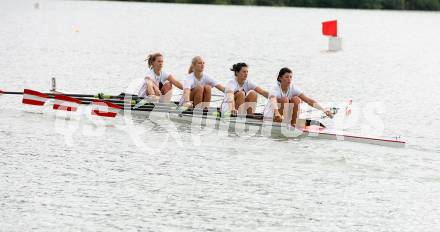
(355, 4)
(423, 4)
(370, 4)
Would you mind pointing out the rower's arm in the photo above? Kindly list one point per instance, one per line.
(274, 103)
(262, 92)
(175, 82)
(230, 100)
(311, 102)
(220, 87)
(186, 95)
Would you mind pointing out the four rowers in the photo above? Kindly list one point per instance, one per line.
(240, 94)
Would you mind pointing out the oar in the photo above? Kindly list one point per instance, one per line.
(142, 105)
(334, 110)
(139, 103)
(212, 95)
(99, 95)
(147, 106)
(162, 107)
(12, 93)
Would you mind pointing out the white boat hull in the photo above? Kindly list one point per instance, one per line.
(273, 129)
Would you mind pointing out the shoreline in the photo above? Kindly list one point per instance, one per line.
(434, 5)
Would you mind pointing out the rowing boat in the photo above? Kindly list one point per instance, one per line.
(254, 124)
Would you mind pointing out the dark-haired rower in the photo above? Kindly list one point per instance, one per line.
(284, 93)
(239, 91)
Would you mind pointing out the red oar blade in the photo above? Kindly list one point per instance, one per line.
(105, 109)
(32, 97)
(66, 103)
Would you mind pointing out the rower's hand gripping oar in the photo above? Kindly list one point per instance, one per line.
(334, 110)
(330, 113)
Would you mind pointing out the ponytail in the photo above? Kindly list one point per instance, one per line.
(193, 62)
(151, 58)
(282, 72)
(191, 69)
(237, 67)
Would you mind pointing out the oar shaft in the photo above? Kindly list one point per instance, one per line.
(98, 96)
(168, 107)
(146, 104)
(162, 107)
(51, 94)
(12, 93)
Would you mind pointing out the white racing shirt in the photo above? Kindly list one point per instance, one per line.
(278, 93)
(234, 86)
(191, 81)
(150, 74)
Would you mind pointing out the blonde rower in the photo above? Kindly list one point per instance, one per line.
(284, 93)
(158, 82)
(197, 86)
(241, 91)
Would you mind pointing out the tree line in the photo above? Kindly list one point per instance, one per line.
(352, 4)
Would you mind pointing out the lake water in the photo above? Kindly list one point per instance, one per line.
(105, 180)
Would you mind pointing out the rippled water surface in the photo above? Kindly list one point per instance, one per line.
(151, 177)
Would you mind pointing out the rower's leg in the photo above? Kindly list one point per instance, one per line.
(239, 100)
(283, 103)
(150, 88)
(251, 102)
(167, 92)
(295, 113)
(206, 96)
(196, 95)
